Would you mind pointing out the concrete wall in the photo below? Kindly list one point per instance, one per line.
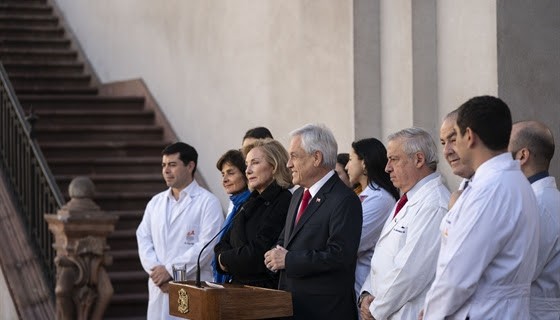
(365, 68)
(529, 63)
(220, 67)
(467, 57)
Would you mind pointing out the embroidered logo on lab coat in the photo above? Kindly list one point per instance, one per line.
(190, 237)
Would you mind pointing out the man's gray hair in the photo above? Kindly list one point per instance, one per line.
(417, 140)
(317, 137)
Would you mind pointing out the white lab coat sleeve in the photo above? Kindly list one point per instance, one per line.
(548, 239)
(413, 266)
(367, 286)
(211, 220)
(146, 249)
(466, 253)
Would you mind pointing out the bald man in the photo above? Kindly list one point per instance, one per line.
(532, 144)
(447, 137)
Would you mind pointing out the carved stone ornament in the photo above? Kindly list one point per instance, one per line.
(83, 288)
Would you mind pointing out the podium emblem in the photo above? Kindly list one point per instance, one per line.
(183, 301)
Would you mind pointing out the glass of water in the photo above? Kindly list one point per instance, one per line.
(179, 272)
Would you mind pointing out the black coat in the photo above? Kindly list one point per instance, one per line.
(254, 231)
(322, 252)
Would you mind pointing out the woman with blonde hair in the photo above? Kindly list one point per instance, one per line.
(257, 225)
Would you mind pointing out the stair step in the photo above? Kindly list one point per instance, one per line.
(128, 281)
(128, 219)
(135, 182)
(54, 89)
(125, 260)
(129, 304)
(29, 20)
(8, 32)
(53, 67)
(25, 8)
(123, 201)
(85, 166)
(55, 80)
(37, 55)
(58, 132)
(82, 103)
(102, 149)
(36, 43)
(112, 119)
(123, 240)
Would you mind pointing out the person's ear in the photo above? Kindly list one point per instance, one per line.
(419, 159)
(524, 155)
(190, 166)
(317, 158)
(471, 137)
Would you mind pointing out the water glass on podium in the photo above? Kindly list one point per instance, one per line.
(179, 272)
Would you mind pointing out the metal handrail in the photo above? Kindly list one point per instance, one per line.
(32, 182)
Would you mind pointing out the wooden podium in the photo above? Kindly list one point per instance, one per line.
(227, 301)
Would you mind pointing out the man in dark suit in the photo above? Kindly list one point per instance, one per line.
(316, 252)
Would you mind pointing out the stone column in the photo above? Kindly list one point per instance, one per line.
(83, 289)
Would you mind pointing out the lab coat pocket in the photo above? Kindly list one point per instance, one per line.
(191, 234)
(399, 233)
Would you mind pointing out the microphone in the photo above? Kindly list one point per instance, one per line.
(198, 282)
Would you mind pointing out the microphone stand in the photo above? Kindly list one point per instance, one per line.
(198, 282)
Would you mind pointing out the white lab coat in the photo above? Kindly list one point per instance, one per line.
(177, 239)
(545, 288)
(488, 248)
(403, 264)
(377, 204)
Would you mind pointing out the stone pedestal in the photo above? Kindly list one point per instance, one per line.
(83, 289)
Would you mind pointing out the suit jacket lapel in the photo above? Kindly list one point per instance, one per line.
(315, 203)
(292, 211)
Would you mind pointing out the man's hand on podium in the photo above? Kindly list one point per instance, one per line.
(164, 287)
(160, 275)
(275, 259)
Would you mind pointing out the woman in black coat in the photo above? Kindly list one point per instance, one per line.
(257, 225)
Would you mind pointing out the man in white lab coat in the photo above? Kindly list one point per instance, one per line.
(404, 260)
(176, 225)
(532, 144)
(447, 137)
(490, 237)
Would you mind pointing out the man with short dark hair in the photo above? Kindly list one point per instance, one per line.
(257, 133)
(532, 144)
(176, 225)
(489, 238)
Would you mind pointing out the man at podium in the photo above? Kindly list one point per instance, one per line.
(316, 252)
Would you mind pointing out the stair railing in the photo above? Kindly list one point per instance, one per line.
(32, 182)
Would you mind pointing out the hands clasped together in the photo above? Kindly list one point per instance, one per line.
(275, 259)
(160, 277)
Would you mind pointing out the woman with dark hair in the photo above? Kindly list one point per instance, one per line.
(255, 229)
(232, 166)
(366, 167)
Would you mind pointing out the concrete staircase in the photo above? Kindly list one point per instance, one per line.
(113, 140)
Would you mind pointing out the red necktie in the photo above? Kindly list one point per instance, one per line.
(304, 203)
(400, 204)
(362, 197)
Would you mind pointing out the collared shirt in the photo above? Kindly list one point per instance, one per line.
(318, 185)
(174, 205)
(538, 176)
(410, 193)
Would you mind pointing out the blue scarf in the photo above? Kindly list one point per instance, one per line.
(237, 200)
